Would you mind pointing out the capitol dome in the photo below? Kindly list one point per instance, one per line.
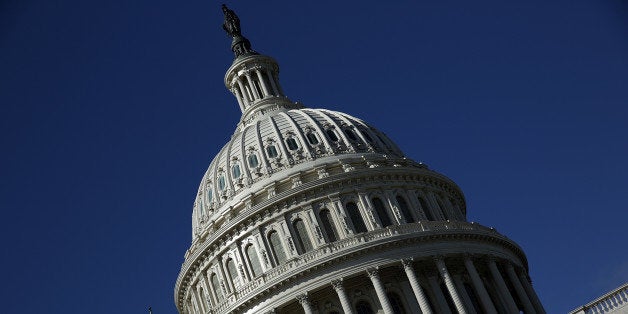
(285, 145)
(315, 211)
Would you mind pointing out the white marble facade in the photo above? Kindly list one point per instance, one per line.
(315, 211)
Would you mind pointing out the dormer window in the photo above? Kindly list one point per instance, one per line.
(367, 136)
(292, 143)
(351, 134)
(221, 182)
(235, 171)
(253, 161)
(312, 139)
(332, 135)
(271, 151)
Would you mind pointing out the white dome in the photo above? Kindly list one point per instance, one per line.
(275, 147)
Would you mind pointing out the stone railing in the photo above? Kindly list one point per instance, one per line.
(611, 302)
(337, 248)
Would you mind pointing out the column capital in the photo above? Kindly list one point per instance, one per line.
(337, 284)
(407, 262)
(372, 272)
(303, 299)
(471, 256)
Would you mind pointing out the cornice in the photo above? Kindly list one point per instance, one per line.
(377, 241)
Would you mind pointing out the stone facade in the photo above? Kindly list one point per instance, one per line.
(316, 211)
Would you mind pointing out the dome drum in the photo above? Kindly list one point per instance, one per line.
(333, 175)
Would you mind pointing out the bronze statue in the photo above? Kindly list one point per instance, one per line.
(240, 45)
(232, 22)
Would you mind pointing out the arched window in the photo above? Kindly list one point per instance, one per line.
(426, 209)
(292, 143)
(232, 270)
(253, 161)
(276, 247)
(332, 135)
(221, 182)
(405, 210)
(271, 151)
(216, 286)
(356, 217)
(327, 222)
(312, 138)
(209, 195)
(235, 171)
(380, 209)
(351, 134)
(251, 256)
(363, 307)
(396, 303)
(303, 241)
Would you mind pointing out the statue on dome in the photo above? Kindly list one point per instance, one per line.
(240, 45)
(232, 22)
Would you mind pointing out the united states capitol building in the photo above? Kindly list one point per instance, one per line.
(316, 211)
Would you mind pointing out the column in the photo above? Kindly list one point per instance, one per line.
(307, 306)
(252, 85)
(208, 291)
(236, 91)
(272, 83)
(440, 264)
(502, 288)
(342, 295)
(226, 287)
(523, 297)
(438, 294)
(379, 289)
(262, 83)
(437, 212)
(195, 302)
(485, 299)
(531, 293)
(246, 97)
(416, 286)
(466, 300)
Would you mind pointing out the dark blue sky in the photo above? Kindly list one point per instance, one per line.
(110, 112)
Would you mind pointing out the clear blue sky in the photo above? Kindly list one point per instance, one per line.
(110, 112)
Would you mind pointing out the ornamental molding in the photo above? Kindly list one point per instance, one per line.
(448, 237)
